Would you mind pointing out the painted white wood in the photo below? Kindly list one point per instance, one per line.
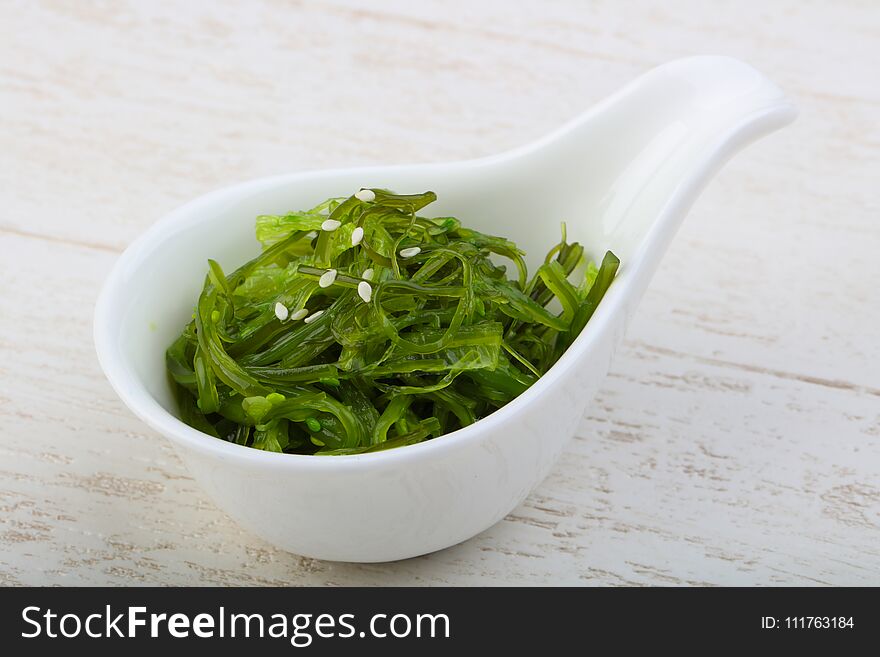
(736, 439)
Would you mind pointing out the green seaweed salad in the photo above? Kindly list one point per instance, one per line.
(364, 326)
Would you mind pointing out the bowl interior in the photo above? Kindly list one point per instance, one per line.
(159, 282)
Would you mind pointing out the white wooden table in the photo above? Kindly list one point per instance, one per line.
(737, 439)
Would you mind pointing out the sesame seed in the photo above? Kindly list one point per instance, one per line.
(299, 314)
(311, 318)
(365, 291)
(357, 235)
(281, 311)
(327, 278)
(368, 274)
(367, 195)
(330, 225)
(410, 252)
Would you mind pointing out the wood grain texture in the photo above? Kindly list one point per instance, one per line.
(737, 438)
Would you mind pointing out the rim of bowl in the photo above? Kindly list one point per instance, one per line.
(138, 399)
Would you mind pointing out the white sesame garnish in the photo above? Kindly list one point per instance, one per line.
(281, 311)
(368, 274)
(365, 291)
(357, 235)
(410, 252)
(311, 318)
(367, 195)
(299, 314)
(330, 225)
(327, 278)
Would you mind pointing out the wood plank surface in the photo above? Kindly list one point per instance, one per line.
(737, 437)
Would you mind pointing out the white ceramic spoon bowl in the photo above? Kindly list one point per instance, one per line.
(622, 176)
